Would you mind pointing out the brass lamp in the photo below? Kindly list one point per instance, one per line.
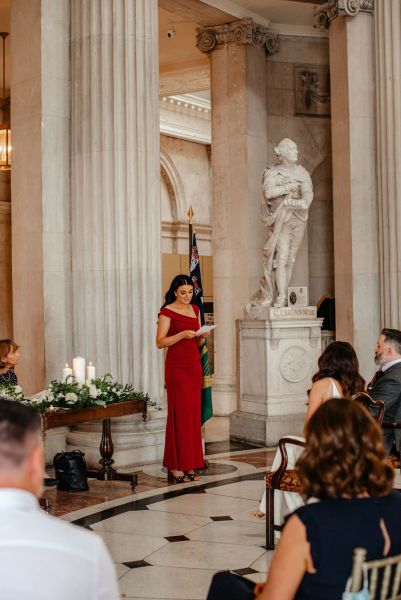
(5, 131)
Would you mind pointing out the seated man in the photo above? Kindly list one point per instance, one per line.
(41, 557)
(386, 384)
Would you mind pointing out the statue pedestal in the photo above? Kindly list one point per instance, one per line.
(277, 356)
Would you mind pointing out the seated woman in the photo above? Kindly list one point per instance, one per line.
(338, 375)
(9, 358)
(342, 466)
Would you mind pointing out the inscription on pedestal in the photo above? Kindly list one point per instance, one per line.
(293, 311)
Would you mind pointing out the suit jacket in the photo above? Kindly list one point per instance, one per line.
(388, 389)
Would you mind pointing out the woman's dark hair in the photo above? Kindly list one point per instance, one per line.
(175, 284)
(340, 362)
(344, 454)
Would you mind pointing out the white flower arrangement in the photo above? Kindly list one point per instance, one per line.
(71, 394)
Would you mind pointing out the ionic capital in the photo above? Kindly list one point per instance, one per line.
(239, 32)
(325, 14)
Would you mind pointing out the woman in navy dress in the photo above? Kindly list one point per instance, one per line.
(177, 327)
(343, 467)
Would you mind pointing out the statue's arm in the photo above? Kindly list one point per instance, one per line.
(306, 195)
(270, 188)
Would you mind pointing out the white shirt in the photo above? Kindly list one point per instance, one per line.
(390, 364)
(45, 558)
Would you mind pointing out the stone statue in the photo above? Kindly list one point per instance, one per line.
(288, 193)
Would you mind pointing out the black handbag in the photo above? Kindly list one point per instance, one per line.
(70, 471)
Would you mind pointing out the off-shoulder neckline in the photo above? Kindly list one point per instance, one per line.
(181, 314)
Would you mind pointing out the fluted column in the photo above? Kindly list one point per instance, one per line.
(356, 265)
(115, 188)
(40, 183)
(388, 95)
(239, 156)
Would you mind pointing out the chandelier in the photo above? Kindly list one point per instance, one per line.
(5, 131)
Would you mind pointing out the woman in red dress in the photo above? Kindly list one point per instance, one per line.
(176, 331)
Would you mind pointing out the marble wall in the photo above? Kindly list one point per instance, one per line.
(191, 161)
(315, 263)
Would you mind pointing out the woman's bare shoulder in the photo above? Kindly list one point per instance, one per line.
(321, 384)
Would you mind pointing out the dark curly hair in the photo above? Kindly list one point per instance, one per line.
(340, 362)
(177, 282)
(344, 454)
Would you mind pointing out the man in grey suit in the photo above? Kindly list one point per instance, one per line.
(386, 384)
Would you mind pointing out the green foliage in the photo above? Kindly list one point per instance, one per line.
(71, 394)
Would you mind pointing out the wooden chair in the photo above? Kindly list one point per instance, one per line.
(384, 576)
(285, 480)
(374, 407)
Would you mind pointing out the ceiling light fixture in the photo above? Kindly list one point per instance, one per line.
(5, 131)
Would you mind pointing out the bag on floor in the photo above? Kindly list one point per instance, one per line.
(70, 471)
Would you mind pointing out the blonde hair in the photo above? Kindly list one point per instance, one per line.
(5, 348)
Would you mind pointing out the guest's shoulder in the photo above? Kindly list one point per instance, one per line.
(196, 309)
(393, 372)
(57, 532)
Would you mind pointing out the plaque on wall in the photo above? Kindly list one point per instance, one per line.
(297, 296)
(312, 90)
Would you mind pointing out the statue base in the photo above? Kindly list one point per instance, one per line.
(277, 358)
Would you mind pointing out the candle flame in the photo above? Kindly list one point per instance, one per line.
(90, 364)
(66, 365)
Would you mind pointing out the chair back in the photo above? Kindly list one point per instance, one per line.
(374, 407)
(384, 575)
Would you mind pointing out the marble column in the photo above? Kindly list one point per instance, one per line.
(239, 156)
(388, 95)
(116, 231)
(40, 181)
(356, 264)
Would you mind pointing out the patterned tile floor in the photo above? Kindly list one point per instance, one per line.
(168, 540)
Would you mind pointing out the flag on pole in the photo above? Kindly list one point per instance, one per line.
(196, 278)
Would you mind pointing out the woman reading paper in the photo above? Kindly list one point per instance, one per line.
(177, 331)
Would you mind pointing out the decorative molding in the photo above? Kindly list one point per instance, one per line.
(298, 30)
(325, 14)
(179, 230)
(186, 117)
(240, 32)
(237, 11)
(188, 103)
(173, 182)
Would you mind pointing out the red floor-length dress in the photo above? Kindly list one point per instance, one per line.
(183, 375)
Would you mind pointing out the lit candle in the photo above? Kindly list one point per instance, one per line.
(90, 372)
(78, 368)
(51, 408)
(67, 371)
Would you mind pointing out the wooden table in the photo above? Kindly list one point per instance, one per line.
(63, 418)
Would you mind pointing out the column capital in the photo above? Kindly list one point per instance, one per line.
(239, 32)
(325, 14)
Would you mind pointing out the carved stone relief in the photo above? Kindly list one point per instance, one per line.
(325, 14)
(239, 32)
(294, 364)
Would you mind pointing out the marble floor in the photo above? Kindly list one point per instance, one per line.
(168, 540)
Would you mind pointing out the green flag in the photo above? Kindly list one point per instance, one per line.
(206, 397)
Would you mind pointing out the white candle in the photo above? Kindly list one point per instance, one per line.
(78, 368)
(67, 371)
(51, 408)
(90, 372)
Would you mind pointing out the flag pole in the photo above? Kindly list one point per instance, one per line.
(190, 214)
